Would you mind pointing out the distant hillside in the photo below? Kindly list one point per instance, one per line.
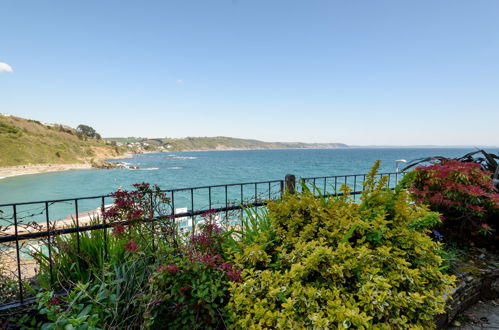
(24, 141)
(217, 143)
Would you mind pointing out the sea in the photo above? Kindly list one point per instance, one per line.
(171, 170)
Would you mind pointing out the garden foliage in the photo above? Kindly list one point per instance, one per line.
(335, 263)
(486, 160)
(141, 273)
(302, 262)
(462, 192)
(189, 288)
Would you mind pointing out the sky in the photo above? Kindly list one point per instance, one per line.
(359, 72)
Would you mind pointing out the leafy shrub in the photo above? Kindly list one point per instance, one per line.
(146, 212)
(488, 161)
(79, 257)
(8, 288)
(190, 290)
(107, 302)
(255, 227)
(338, 264)
(462, 191)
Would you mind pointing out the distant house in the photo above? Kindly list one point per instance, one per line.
(5, 115)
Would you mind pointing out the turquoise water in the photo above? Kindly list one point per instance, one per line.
(190, 169)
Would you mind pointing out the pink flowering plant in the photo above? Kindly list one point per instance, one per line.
(140, 223)
(186, 275)
(191, 289)
(463, 192)
(138, 215)
(142, 204)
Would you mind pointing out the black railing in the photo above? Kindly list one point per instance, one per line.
(27, 224)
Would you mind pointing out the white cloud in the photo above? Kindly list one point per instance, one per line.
(179, 81)
(4, 67)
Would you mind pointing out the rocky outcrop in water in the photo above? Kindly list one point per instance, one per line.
(101, 164)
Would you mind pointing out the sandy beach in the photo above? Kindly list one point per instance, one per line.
(10, 171)
(6, 172)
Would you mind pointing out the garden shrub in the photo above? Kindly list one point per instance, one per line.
(463, 193)
(108, 299)
(80, 257)
(190, 289)
(108, 302)
(8, 288)
(335, 263)
(105, 271)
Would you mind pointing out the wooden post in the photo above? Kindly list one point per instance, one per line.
(290, 183)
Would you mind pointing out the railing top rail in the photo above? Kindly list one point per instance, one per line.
(223, 185)
(347, 175)
(55, 200)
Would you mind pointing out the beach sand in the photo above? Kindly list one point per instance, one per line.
(10, 171)
(6, 172)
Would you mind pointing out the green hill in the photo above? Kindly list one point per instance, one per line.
(218, 143)
(24, 141)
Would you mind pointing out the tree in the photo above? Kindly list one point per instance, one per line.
(86, 130)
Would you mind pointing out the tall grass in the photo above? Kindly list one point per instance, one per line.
(77, 257)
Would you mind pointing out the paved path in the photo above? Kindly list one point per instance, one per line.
(483, 315)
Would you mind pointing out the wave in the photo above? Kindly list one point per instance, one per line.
(150, 169)
(180, 157)
(175, 168)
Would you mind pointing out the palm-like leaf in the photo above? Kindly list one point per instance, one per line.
(487, 160)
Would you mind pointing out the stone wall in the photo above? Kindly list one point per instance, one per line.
(477, 279)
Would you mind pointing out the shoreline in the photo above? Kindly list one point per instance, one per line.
(18, 170)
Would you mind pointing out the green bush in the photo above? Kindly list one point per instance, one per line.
(107, 302)
(78, 257)
(337, 264)
(8, 288)
(190, 289)
(81, 257)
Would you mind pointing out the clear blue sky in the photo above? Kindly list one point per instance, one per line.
(359, 72)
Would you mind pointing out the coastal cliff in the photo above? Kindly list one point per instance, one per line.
(25, 142)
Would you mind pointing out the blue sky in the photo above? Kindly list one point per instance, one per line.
(358, 72)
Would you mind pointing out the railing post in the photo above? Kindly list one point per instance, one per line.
(290, 183)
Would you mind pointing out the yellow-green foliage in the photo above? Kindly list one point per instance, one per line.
(338, 264)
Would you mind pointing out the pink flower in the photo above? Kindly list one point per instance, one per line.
(208, 214)
(234, 275)
(210, 260)
(171, 268)
(486, 226)
(132, 246)
(136, 214)
(161, 268)
(54, 301)
(475, 207)
(118, 230)
(226, 266)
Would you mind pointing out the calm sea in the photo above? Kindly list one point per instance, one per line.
(190, 169)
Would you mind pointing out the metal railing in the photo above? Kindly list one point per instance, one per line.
(27, 224)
